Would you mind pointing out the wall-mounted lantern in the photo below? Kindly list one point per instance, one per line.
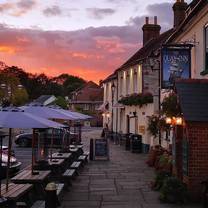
(175, 121)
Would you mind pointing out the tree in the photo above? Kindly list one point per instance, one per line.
(10, 92)
(60, 101)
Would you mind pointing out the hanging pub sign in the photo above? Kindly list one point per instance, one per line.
(176, 63)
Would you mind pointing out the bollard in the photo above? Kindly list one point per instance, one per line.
(51, 199)
(3, 202)
(91, 149)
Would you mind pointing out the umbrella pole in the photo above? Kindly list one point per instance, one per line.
(33, 145)
(51, 151)
(0, 162)
(9, 156)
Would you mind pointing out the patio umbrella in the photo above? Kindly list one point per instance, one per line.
(17, 118)
(46, 112)
(2, 135)
(49, 113)
(78, 116)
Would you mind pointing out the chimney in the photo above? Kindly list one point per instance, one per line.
(150, 31)
(179, 9)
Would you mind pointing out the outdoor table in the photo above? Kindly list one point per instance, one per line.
(56, 166)
(16, 192)
(67, 156)
(58, 155)
(38, 180)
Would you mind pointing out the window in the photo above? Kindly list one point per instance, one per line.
(127, 83)
(86, 107)
(206, 48)
(135, 81)
(205, 70)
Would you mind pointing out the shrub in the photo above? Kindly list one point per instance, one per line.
(173, 191)
(159, 180)
(137, 99)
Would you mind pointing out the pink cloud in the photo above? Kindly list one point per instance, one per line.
(92, 53)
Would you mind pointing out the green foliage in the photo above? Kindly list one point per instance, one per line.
(155, 123)
(60, 101)
(39, 84)
(137, 99)
(20, 97)
(170, 106)
(159, 180)
(173, 191)
(11, 93)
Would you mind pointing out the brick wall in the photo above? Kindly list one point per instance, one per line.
(177, 167)
(197, 136)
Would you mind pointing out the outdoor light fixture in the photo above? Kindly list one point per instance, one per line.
(168, 120)
(175, 121)
(103, 114)
(108, 115)
(178, 121)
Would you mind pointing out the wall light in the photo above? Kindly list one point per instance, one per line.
(175, 121)
(168, 120)
(178, 121)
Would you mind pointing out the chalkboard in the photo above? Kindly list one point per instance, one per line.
(101, 151)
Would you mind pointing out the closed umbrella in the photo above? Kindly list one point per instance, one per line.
(17, 118)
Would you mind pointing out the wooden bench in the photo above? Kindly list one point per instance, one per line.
(41, 203)
(17, 193)
(83, 159)
(68, 175)
(76, 165)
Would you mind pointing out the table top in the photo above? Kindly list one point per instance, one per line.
(54, 161)
(26, 176)
(58, 155)
(76, 146)
(73, 149)
(15, 191)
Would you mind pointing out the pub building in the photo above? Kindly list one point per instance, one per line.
(187, 41)
(138, 77)
(190, 143)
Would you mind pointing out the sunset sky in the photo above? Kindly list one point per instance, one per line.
(88, 38)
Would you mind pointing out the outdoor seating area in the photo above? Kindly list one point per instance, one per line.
(29, 188)
(52, 167)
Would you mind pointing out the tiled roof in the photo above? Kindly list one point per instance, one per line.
(110, 77)
(193, 99)
(89, 92)
(147, 49)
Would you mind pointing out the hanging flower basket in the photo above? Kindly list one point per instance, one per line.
(170, 106)
(137, 99)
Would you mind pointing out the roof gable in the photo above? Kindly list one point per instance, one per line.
(147, 49)
(193, 99)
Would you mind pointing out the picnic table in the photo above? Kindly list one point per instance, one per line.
(38, 180)
(63, 155)
(16, 192)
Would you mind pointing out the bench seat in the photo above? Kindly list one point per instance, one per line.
(75, 165)
(82, 158)
(69, 173)
(41, 203)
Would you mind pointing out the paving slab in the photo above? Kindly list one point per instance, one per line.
(122, 182)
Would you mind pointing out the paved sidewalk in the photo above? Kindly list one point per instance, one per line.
(122, 182)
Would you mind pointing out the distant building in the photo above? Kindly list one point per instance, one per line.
(45, 99)
(87, 100)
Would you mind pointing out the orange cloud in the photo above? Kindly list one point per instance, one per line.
(91, 54)
(7, 49)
